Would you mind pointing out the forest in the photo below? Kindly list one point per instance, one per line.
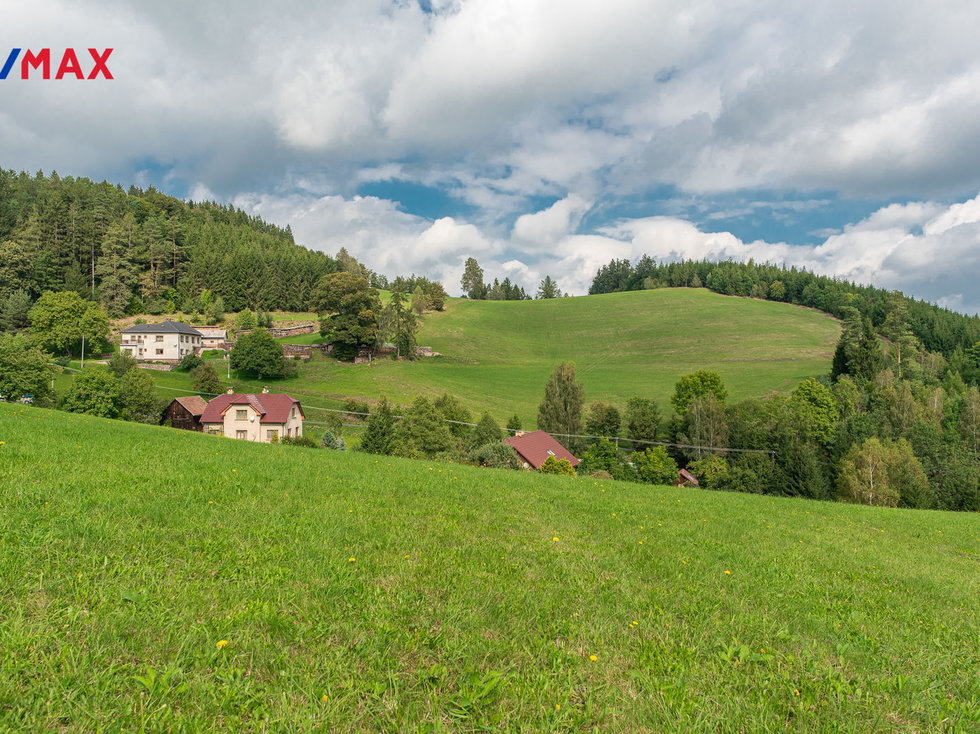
(140, 251)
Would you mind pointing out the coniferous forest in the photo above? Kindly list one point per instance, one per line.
(140, 251)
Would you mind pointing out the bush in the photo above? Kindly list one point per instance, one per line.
(290, 368)
(332, 442)
(498, 455)
(121, 362)
(554, 466)
(190, 362)
(654, 466)
(358, 410)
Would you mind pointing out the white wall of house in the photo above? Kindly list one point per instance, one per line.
(148, 347)
(244, 423)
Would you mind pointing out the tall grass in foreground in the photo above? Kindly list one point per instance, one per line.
(163, 580)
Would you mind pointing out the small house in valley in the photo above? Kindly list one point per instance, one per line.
(186, 412)
(170, 341)
(264, 417)
(212, 337)
(535, 448)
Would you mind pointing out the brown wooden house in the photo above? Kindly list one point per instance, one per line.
(186, 413)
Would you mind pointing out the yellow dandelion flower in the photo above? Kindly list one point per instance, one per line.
(324, 698)
(351, 559)
(234, 469)
(593, 658)
(557, 706)
(221, 643)
(555, 539)
(728, 573)
(796, 692)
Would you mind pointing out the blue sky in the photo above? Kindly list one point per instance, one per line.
(539, 136)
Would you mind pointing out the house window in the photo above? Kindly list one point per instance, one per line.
(272, 434)
(159, 339)
(241, 434)
(159, 351)
(214, 430)
(241, 415)
(294, 411)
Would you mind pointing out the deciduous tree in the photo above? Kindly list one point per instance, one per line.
(23, 369)
(257, 354)
(348, 308)
(697, 385)
(94, 391)
(59, 320)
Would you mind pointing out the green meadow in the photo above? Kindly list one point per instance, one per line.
(160, 580)
(497, 355)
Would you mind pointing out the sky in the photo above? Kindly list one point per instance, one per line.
(542, 137)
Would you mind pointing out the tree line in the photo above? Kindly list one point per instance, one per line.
(140, 251)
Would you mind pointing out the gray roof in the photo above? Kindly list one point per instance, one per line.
(167, 327)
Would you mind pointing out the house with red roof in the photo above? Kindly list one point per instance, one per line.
(535, 448)
(265, 417)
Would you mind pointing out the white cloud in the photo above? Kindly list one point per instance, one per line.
(504, 102)
(543, 229)
(912, 247)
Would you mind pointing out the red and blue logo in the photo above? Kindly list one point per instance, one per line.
(69, 66)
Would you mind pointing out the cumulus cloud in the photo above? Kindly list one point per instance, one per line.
(922, 248)
(503, 104)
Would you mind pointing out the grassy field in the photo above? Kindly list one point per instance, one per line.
(497, 355)
(160, 580)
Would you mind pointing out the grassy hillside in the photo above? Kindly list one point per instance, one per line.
(498, 354)
(166, 580)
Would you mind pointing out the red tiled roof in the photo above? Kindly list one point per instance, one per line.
(194, 404)
(273, 407)
(536, 447)
(685, 477)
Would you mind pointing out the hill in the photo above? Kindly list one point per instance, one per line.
(163, 580)
(498, 354)
(139, 249)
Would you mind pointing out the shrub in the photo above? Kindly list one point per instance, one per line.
(654, 466)
(358, 410)
(330, 441)
(498, 455)
(190, 362)
(554, 466)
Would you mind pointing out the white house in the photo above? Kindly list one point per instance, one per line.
(251, 417)
(169, 341)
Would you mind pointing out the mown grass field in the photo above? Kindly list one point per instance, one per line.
(160, 580)
(497, 355)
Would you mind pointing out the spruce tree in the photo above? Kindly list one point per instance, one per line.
(486, 431)
(560, 412)
(380, 433)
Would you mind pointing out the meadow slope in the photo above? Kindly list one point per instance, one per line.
(156, 579)
(497, 355)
